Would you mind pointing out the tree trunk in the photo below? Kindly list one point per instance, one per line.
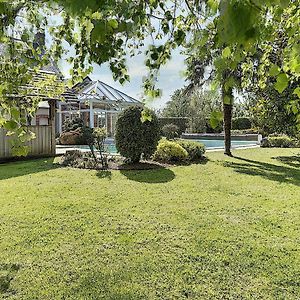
(227, 127)
(227, 110)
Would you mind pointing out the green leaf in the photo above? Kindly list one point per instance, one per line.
(297, 91)
(113, 23)
(20, 151)
(10, 125)
(281, 83)
(227, 100)
(15, 113)
(294, 109)
(179, 37)
(154, 56)
(216, 118)
(226, 52)
(213, 5)
(284, 3)
(2, 121)
(274, 70)
(146, 116)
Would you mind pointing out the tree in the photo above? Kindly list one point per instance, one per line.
(104, 31)
(197, 106)
(272, 112)
(178, 106)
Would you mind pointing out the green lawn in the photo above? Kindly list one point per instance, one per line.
(225, 229)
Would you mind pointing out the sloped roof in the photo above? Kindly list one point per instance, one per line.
(85, 90)
(89, 89)
(50, 69)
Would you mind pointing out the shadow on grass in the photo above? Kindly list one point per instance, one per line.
(292, 161)
(8, 272)
(104, 174)
(266, 170)
(160, 175)
(26, 167)
(113, 285)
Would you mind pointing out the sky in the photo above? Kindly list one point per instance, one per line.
(170, 77)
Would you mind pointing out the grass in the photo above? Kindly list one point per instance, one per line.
(226, 229)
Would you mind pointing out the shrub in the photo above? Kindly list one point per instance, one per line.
(282, 141)
(170, 131)
(88, 139)
(78, 159)
(168, 151)
(95, 139)
(100, 135)
(195, 150)
(72, 125)
(241, 123)
(137, 133)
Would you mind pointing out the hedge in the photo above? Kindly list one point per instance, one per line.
(281, 141)
(241, 123)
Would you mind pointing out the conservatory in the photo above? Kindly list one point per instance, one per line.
(96, 103)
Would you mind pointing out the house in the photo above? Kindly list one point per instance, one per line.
(42, 124)
(96, 103)
(43, 82)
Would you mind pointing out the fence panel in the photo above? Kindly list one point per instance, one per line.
(42, 145)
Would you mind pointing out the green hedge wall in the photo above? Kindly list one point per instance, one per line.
(241, 123)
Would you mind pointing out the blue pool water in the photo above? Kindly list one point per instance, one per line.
(209, 144)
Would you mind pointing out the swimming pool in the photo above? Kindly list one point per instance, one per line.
(110, 146)
(219, 144)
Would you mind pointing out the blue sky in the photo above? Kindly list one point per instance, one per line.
(170, 77)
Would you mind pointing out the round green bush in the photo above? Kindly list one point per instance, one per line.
(137, 133)
(170, 131)
(168, 151)
(195, 150)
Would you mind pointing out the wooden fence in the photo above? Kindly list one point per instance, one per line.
(42, 145)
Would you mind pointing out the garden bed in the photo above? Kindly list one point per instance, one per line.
(84, 160)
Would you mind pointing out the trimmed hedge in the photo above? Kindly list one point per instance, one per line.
(245, 131)
(168, 151)
(73, 137)
(282, 141)
(195, 150)
(182, 123)
(178, 151)
(241, 123)
(135, 138)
